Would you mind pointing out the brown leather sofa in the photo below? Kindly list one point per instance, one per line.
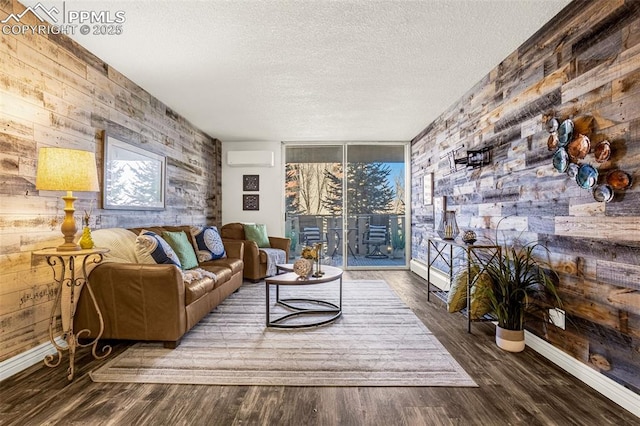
(152, 302)
(255, 260)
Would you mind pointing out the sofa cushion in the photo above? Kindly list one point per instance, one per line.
(120, 242)
(235, 265)
(152, 248)
(197, 288)
(223, 274)
(208, 243)
(257, 232)
(181, 245)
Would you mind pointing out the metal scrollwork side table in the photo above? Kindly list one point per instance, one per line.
(70, 272)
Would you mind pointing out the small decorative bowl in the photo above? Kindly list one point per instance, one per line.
(565, 132)
(572, 170)
(579, 147)
(619, 179)
(603, 193)
(602, 151)
(552, 142)
(469, 237)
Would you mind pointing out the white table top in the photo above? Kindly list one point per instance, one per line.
(331, 273)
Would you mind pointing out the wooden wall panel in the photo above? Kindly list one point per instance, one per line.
(584, 64)
(55, 93)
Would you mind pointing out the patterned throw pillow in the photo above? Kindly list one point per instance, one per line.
(209, 243)
(480, 304)
(457, 297)
(152, 248)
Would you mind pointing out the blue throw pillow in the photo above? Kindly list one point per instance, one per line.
(208, 242)
(152, 248)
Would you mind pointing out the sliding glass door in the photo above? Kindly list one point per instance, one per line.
(351, 198)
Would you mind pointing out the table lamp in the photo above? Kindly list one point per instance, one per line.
(62, 169)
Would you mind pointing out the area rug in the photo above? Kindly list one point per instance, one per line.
(378, 341)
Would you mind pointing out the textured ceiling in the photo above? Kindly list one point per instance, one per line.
(312, 70)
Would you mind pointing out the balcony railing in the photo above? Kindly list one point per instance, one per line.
(331, 233)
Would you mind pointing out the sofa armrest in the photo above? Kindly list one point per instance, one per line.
(137, 301)
(253, 270)
(281, 243)
(251, 250)
(250, 257)
(234, 248)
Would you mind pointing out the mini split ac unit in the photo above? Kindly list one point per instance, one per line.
(250, 158)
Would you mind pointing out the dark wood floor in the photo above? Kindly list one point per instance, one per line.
(514, 389)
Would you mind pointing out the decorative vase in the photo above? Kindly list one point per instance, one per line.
(86, 242)
(510, 340)
(469, 237)
(318, 262)
(303, 267)
(448, 229)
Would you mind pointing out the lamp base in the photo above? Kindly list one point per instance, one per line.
(69, 228)
(68, 247)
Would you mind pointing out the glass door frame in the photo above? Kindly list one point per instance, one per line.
(345, 208)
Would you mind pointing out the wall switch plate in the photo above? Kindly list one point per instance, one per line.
(557, 317)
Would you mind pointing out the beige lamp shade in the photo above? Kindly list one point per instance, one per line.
(62, 169)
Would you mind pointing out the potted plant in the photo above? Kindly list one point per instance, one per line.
(521, 283)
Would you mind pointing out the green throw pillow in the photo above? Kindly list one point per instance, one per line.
(180, 243)
(257, 232)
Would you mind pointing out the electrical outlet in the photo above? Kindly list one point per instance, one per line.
(557, 317)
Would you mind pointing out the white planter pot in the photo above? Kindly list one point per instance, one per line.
(510, 340)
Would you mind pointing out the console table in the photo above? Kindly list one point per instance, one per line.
(478, 254)
(70, 273)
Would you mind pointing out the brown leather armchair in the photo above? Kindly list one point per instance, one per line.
(255, 260)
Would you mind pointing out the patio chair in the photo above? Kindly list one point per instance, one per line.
(310, 230)
(376, 235)
(311, 235)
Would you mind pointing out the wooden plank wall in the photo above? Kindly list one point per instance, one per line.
(55, 93)
(584, 63)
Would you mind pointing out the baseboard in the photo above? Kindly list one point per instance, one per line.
(617, 393)
(20, 362)
(438, 278)
(622, 396)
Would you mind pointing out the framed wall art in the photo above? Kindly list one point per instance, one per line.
(134, 178)
(250, 182)
(250, 202)
(427, 189)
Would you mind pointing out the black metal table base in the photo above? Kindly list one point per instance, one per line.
(281, 322)
(336, 311)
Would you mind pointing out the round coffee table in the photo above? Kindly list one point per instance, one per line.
(318, 307)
